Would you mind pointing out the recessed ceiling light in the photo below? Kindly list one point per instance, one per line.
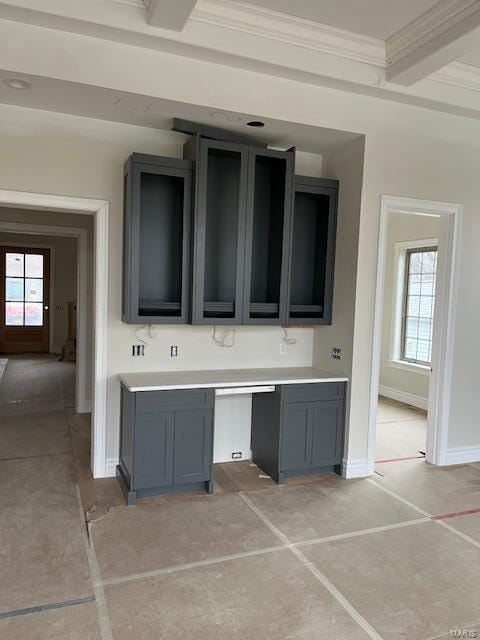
(256, 123)
(17, 83)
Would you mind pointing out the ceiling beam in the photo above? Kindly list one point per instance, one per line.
(446, 32)
(169, 14)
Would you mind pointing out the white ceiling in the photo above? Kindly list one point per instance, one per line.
(375, 18)
(472, 59)
(52, 39)
(73, 98)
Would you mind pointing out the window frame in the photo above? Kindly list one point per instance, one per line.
(425, 248)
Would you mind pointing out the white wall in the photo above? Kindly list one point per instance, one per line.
(65, 269)
(63, 256)
(84, 157)
(346, 164)
(412, 382)
(409, 151)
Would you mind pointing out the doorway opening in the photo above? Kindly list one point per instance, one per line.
(407, 336)
(413, 331)
(33, 205)
(40, 308)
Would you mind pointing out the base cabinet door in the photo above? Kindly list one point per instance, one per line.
(297, 426)
(327, 438)
(153, 465)
(193, 441)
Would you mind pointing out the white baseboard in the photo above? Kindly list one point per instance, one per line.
(359, 468)
(85, 407)
(111, 467)
(462, 455)
(402, 396)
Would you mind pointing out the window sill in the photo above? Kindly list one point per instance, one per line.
(410, 366)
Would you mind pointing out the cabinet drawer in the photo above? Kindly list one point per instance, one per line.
(181, 399)
(313, 392)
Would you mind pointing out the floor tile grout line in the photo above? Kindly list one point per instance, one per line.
(100, 601)
(191, 565)
(441, 523)
(361, 532)
(339, 597)
(398, 497)
(460, 534)
(257, 552)
(50, 606)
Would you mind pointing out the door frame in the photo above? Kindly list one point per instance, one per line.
(443, 325)
(82, 405)
(38, 202)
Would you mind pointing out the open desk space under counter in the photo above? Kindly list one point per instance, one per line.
(167, 425)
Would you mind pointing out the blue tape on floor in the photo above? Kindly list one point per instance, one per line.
(46, 607)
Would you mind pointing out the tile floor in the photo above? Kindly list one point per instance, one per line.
(327, 558)
(401, 430)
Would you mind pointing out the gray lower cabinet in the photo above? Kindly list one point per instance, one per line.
(299, 429)
(153, 460)
(192, 456)
(166, 442)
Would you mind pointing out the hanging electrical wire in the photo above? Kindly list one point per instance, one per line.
(150, 333)
(288, 339)
(222, 341)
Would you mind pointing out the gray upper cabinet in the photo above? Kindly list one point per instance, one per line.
(219, 230)
(269, 211)
(156, 251)
(255, 246)
(312, 260)
(242, 220)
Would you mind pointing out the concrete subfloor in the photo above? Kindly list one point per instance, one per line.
(319, 559)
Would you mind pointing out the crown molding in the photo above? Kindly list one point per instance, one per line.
(288, 29)
(440, 18)
(459, 74)
(139, 4)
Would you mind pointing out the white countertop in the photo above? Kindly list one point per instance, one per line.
(223, 378)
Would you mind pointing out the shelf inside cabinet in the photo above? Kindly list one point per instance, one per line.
(264, 310)
(218, 309)
(306, 310)
(152, 308)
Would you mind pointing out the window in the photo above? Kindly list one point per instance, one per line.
(419, 304)
(23, 289)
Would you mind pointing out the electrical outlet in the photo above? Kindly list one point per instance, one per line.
(173, 351)
(336, 353)
(138, 350)
(236, 455)
(283, 348)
